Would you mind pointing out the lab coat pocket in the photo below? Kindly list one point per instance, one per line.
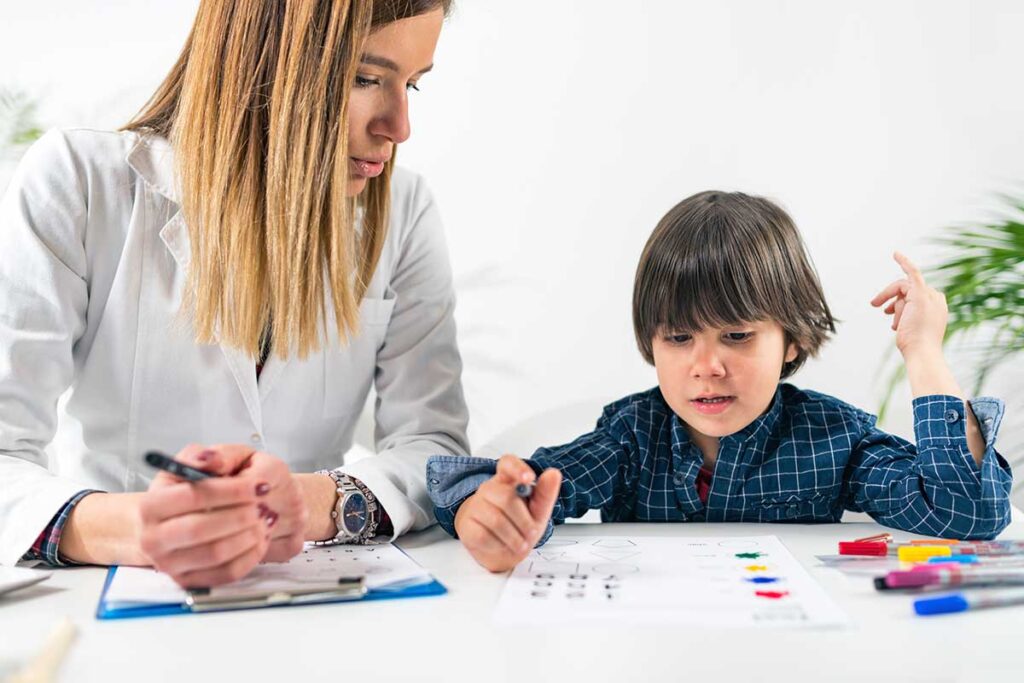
(349, 366)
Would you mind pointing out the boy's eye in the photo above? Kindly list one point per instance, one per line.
(738, 336)
(678, 338)
(412, 86)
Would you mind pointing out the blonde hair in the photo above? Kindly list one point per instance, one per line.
(256, 109)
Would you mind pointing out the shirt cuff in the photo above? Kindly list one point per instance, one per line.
(47, 545)
(451, 479)
(939, 420)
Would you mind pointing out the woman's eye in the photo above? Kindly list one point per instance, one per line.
(364, 82)
(738, 336)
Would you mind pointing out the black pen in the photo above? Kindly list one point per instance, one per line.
(178, 469)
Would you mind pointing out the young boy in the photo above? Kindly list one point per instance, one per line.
(726, 304)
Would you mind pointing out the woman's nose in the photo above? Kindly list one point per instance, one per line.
(393, 121)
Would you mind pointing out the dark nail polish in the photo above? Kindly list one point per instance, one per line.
(271, 519)
(206, 456)
(262, 489)
(264, 510)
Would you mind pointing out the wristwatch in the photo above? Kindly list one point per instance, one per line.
(354, 511)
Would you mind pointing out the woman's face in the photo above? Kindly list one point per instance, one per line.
(396, 56)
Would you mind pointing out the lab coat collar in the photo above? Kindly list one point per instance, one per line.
(152, 157)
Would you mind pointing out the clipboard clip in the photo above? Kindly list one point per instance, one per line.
(226, 598)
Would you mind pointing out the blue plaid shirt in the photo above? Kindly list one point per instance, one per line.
(809, 458)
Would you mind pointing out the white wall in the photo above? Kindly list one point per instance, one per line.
(555, 134)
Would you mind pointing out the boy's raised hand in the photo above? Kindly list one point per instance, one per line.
(919, 312)
(498, 527)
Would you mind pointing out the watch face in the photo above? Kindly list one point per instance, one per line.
(354, 513)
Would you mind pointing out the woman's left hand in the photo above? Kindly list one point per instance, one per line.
(286, 508)
(919, 311)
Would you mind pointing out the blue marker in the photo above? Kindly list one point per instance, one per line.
(961, 559)
(959, 602)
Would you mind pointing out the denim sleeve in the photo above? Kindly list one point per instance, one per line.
(451, 479)
(934, 488)
(593, 470)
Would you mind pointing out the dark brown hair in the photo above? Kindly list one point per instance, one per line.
(721, 258)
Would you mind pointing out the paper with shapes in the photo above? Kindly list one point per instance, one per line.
(698, 581)
(384, 566)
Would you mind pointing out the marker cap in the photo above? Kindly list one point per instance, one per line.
(945, 604)
(921, 553)
(911, 579)
(959, 559)
(872, 548)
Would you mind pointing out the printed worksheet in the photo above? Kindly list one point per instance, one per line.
(383, 566)
(701, 581)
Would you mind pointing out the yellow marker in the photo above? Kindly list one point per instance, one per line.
(756, 568)
(921, 553)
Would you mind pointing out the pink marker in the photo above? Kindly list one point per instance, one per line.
(932, 576)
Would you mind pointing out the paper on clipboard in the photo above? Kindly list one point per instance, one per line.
(383, 567)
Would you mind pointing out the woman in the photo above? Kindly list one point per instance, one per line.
(223, 279)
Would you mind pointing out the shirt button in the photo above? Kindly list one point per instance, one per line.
(952, 416)
(256, 438)
(988, 421)
(679, 478)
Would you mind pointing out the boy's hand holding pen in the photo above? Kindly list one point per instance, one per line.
(504, 519)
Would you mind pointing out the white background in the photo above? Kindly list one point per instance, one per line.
(555, 134)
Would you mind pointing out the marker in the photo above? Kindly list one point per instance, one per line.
(178, 469)
(958, 602)
(525, 490)
(922, 551)
(931, 577)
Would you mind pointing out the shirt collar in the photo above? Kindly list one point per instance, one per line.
(764, 425)
(759, 429)
(152, 157)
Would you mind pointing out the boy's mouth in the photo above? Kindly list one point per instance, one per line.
(712, 405)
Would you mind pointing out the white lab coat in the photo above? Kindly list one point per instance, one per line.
(93, 257)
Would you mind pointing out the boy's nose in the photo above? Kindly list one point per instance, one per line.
(706, 363)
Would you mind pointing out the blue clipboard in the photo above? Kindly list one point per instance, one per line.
(107, 611)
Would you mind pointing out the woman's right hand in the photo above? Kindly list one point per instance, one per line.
(498, 527)
(209, 532)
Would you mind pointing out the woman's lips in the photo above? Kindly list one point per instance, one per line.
(712, 406)
(367, 169)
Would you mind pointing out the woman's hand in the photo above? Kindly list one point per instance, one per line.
(283, 503)
(217, 530)
(919, 312)
(208, 532)
(498, 527)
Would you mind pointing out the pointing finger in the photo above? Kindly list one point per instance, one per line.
(912, 271)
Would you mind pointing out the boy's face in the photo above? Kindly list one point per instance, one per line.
(718, 381)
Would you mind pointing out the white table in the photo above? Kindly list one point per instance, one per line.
(452, 638)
